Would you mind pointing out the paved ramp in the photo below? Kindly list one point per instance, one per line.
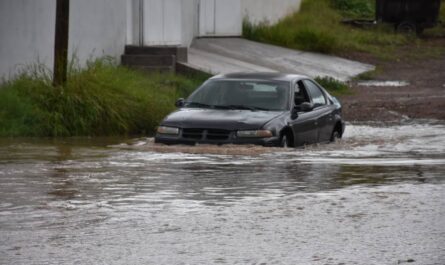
(219, 64)
(225, 55)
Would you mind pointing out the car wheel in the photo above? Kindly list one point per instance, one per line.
(407, 28)
(284, 141)
(335, 136)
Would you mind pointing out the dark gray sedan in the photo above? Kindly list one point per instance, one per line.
(270, 109)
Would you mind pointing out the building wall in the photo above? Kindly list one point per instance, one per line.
(220, 18)
(103, 27)
(133, 24)
(26, 34)
(27, 28)
(269, 11)
(190, 20)
(97, 28)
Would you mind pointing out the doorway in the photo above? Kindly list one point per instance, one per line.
(154, 22)
(220, 18)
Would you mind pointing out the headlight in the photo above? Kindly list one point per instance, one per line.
(258, 134)
(168, 130)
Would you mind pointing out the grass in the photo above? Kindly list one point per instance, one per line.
(334, 86)
(102, 99)
(438, 32)
(356, 9)
(317, 27)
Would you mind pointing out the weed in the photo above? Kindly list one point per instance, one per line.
(317, 27)
(439, 31)
(334, 86)
(360, 9)
(369, 75)
(101, 99)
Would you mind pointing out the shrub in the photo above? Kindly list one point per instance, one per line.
(317, 27)
(355, 8)
(334, 86)
(316, 40)
(102, 99)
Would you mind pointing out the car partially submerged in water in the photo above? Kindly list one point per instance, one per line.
(269, 109)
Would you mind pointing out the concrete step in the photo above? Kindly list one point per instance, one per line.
(153, 69)
(189, 70)
(178, 51)
(148, 60)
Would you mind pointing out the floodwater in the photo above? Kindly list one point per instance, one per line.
(383, 83)
(376, 197)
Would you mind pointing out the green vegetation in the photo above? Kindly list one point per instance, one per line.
(440, 30)
(317, 27)
(360, 9)
(370, 75)
(334, 86)
(101, 99)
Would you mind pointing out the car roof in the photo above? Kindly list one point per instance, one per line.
(275, 76)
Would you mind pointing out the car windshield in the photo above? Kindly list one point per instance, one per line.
(241, 94)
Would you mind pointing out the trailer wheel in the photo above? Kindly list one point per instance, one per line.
(419, 30)
(407, 28)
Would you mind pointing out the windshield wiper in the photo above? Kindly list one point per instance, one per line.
(198, 104)
(222, 107)
(252, 108)
(203, 105)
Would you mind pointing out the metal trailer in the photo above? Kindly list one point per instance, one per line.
(408, 16)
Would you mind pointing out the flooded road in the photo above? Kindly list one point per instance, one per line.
(377, 197)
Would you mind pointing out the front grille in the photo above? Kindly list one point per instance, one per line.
(192, 133)
(206, 134)
(213, 134)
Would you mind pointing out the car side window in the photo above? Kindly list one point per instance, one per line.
(318, 97)
(300, 94)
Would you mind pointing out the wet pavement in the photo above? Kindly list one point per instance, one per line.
(226, 55)
(376, 83)
(377, 197)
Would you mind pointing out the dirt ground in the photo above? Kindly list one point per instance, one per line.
(423, 98)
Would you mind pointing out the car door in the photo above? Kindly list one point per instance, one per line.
(305, 125)
(323, 111)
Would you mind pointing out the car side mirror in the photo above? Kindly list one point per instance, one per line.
(294, 112)
(180, 103)
(306, 106)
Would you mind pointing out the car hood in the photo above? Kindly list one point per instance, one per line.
(219, 119)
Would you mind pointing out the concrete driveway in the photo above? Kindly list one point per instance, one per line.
(225, 55)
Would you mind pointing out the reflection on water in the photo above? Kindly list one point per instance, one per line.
(373, 83)
(59, 198)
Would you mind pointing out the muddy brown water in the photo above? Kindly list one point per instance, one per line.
(377, 197)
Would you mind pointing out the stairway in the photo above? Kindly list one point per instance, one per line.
(154, 58)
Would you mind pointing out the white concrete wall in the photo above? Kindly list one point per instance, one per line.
(220, 18)
(228, 21)
(103, 27)
(162, 22)
(190, 20)
(132, 22)
(97, 28)
(26, 34)
(27, 28)
(269, 11)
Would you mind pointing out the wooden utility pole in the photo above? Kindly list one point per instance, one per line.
(61, 42)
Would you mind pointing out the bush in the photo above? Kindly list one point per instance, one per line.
(355, 8)
(316, 40)
(102, 99)
(317, 27)
(334, 86)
